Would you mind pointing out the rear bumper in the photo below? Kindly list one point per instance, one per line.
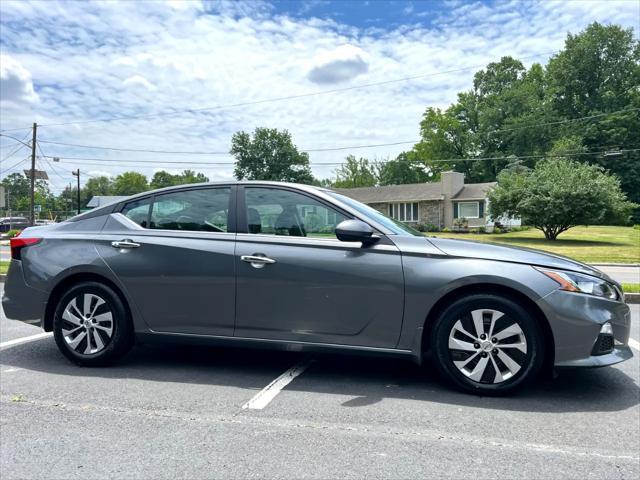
(20, 301)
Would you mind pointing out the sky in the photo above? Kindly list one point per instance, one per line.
(183, 76)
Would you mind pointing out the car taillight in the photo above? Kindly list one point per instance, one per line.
(18, 243)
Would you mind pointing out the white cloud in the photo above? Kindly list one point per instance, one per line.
(16, 84)
(338, 65)
(139, 81)
(77, 55)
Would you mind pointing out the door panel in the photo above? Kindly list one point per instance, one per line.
(179, 282)
(179, 269)
(310, 286)
(321, 291)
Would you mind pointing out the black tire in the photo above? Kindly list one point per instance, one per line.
(486, 373)
(104, 341)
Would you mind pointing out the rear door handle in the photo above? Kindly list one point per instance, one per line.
(126, 243)
(257, 261)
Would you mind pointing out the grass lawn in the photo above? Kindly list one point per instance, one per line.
(631, 287)
(595, 244)
(4, 266)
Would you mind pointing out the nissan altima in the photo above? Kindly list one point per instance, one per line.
(265, 264)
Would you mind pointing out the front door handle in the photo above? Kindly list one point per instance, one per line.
(257, 261)
(126, 243)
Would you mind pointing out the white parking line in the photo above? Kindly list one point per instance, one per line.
(268, 393)
(634, 344)
(18, 341)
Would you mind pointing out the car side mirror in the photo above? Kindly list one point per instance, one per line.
(355, 231)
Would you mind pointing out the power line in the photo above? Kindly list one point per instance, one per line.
(15, 165)
(133, 162)
(325, 149)
(270, 100)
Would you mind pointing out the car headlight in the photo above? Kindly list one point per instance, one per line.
(577, 282)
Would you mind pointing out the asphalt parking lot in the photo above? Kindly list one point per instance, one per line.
(177, 412)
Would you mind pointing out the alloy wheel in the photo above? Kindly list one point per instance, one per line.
(487, 346)
(87, 324)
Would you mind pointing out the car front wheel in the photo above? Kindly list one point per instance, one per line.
(91, 325)
(487, 344)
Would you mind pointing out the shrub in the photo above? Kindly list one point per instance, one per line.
(446, 230)
(12, 233)
(427, 227)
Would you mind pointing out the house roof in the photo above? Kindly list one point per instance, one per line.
(474, 191)
(413, 192)
(394, 193)
(100, 200)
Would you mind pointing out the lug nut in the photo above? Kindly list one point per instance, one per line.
(484, 354)
(495, 351)
(494, 340)
(476, 345)
(483, 336)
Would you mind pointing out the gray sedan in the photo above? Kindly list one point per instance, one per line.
(273, 265)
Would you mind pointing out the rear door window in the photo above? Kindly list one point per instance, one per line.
(138, 211)
(201, 210)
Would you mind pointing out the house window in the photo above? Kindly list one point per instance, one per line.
(405, 212)
(468, 210)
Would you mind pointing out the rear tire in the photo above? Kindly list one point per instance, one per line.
(91, 325)
(487, 344)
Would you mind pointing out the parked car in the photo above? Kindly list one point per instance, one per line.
(13, 223)
(264, 264)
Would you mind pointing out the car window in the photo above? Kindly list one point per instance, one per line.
(274, 211)
(202, 210)
(138, 211)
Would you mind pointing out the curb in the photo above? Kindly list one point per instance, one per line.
(632, 297)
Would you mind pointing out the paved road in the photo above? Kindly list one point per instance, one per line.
(622, 274)
(176, 412)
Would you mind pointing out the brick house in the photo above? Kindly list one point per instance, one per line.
(436, 203)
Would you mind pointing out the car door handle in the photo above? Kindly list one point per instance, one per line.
(257, 261)
(125, 244)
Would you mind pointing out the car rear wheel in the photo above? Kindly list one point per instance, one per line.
(91, 325)
(487, 344)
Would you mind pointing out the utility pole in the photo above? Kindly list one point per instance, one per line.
(77, 174)
(32, 214)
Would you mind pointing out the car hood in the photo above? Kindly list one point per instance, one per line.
(492, 251)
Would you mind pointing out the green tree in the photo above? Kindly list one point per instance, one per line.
(559, 194)
(18, 187)
(130, 183)
(403, 169)
(163, 179)
(102, 185)
(355, 172)
(269, 155)
(598, 71)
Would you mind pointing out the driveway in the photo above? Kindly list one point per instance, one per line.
(169, 411)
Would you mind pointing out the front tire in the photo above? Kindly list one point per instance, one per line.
(91, 325)
(487, 344)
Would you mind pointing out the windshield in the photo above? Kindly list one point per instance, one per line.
(398, 228)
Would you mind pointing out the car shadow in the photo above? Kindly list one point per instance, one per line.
(367, 379)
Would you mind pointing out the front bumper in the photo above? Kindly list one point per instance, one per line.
(20, 301)
(576, 319)
(619, 354)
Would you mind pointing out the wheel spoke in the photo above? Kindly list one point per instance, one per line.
(98, 340)
(104, 317)
(522, 346)
(510, 331)
(66, 333)
(456, 344)
(70, 317)
(495, 315)
(107, 330)
(499, 377)
(509, 362)
(478, 371)
(463, 363)
(477, 322)
(73, 343)
(458, 326)
(99, 302)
